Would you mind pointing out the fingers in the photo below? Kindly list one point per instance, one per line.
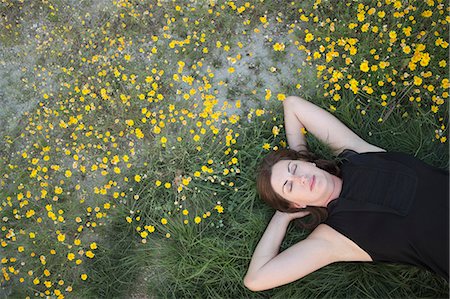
(300, 214)
(292, 216)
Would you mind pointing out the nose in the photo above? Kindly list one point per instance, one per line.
(302, 179)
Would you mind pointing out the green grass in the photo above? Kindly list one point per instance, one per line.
(194, 157)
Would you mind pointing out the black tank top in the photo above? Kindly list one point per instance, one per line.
(395, 207)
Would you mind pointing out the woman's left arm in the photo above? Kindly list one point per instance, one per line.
(301, 114)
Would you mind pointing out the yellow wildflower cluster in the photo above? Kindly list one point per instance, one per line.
(404, 60)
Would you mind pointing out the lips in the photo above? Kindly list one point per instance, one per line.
(313, 182)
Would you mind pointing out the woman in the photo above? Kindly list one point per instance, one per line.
(379, 206)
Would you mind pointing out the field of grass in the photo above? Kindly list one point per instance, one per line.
(131, 131)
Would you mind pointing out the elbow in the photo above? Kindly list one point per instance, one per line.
(291, 101)
(252, 284)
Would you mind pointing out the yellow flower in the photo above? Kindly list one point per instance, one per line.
(336, 97)
(266, 146)
(139, 133)
(393, 35)
(70, 256)
(365, 27)
(219, 209)
(364, 66)
(407, 49)
(309, 37)
(259, 112)
(164, 221)
(268, 94)
(417, 80)
(30, 213)
(383, 64)
(425, 59)
(275, 130)
(61, 237)
(90, 254)
(263, 19)
(279, 47)
(427, 14)
(84, 276)
(137, 178)
(361, 16)
(281, 97)
(354, 86)
(197, 220)
(167, 185)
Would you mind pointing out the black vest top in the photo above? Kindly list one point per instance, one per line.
(395, 207)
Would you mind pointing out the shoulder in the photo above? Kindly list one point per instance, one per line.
(341, 247)
(347, 152)
(361, 148)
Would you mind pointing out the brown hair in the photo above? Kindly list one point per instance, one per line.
(266, 192)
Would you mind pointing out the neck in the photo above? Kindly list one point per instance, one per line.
(336, 190)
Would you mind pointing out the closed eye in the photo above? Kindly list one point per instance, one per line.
(285, 183)
(293, 169)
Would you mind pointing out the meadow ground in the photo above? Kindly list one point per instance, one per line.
(131, 131)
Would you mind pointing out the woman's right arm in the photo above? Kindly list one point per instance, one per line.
(300, 114)
(269, 268)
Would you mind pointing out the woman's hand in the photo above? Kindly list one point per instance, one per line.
(290, 216)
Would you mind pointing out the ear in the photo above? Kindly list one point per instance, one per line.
(298, 206)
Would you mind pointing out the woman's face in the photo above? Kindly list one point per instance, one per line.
(302, 183)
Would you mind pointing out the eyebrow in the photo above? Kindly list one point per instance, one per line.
(282, 188)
